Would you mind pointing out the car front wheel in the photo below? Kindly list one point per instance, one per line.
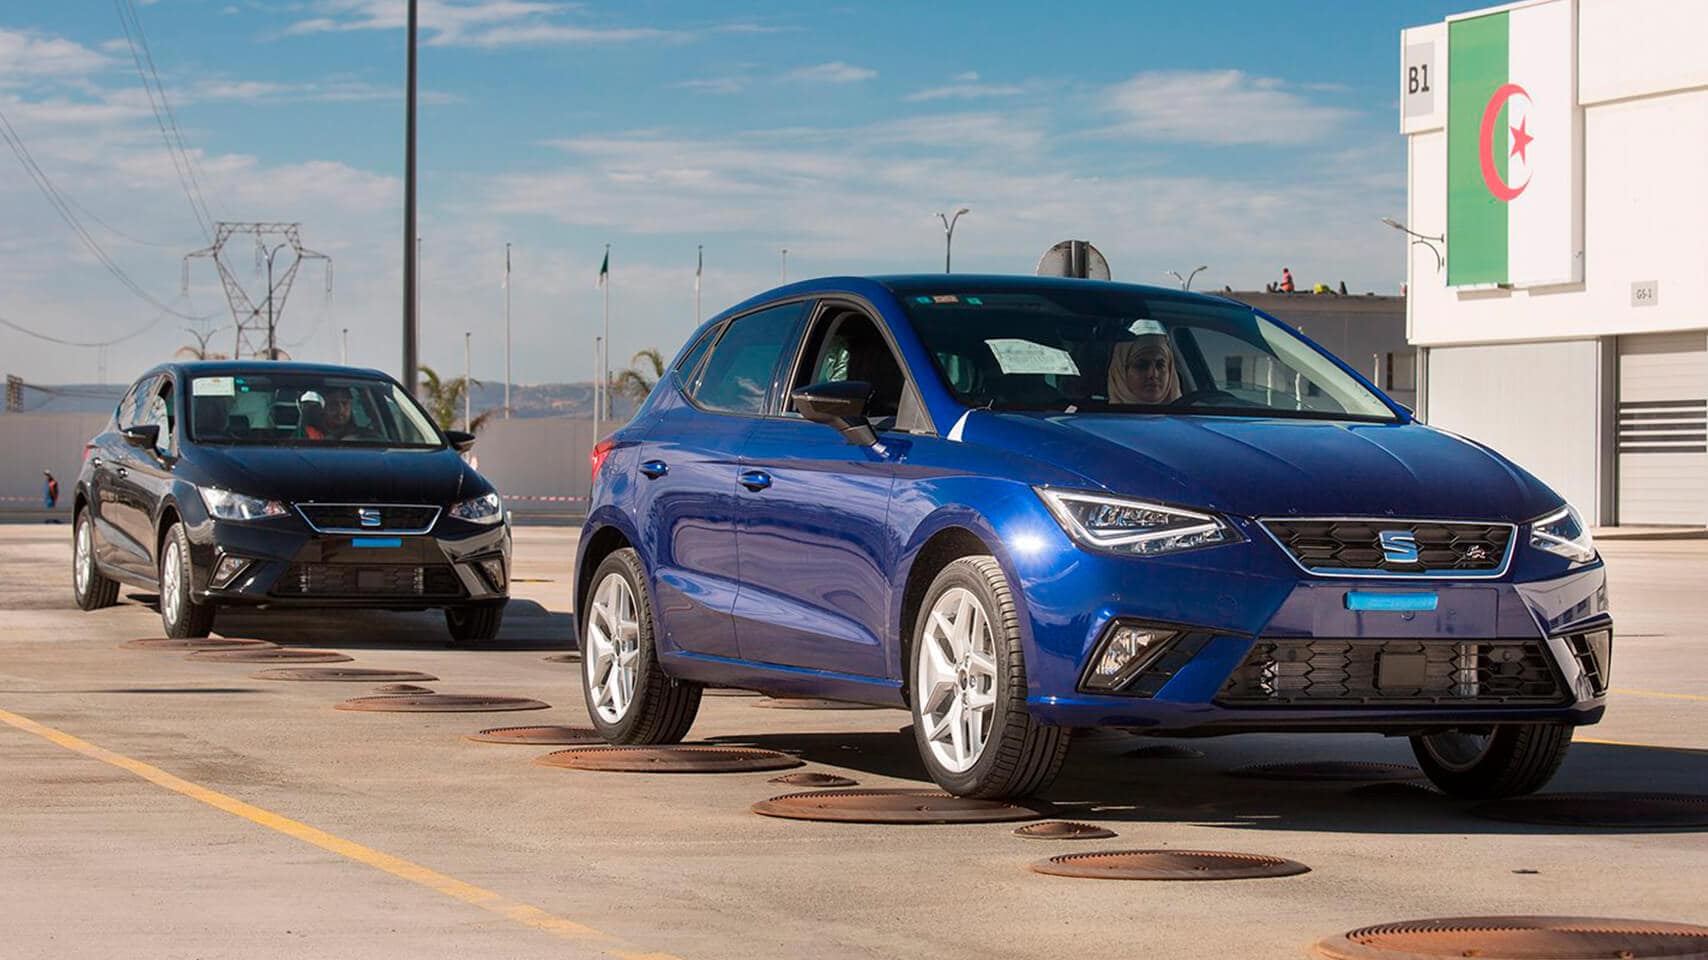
(182, 616)
(968, 686)
(93, 591)
(629, 696)
(1501, 761)
(475, 623)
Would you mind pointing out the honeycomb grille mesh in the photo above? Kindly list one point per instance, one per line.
(1343, 546)
(1285, 672)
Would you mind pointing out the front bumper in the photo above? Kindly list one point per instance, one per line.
(286, 563)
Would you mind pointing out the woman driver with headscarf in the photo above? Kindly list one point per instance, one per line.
(1142, 371)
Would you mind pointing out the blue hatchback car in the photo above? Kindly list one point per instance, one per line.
(1021, 506)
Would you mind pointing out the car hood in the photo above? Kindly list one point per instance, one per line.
(334, 475)
(1278, 467)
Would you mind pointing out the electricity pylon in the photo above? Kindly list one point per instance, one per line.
(258, 322)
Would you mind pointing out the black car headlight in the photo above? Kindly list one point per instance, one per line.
(1563, 532)
(486, 508)
(225, 505)
(1124, 525)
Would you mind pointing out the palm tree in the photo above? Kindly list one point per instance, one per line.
(444, 400)
(200, 351)
(638, 381)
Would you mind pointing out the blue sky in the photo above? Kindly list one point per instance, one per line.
(1241, 135)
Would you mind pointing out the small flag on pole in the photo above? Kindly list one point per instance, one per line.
(604, 269)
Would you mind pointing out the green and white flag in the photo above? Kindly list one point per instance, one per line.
(1512, 147)
(604, 269)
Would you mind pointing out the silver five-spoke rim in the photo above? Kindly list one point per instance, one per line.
(81, 569)
(171, 582)
(613, 638)
(957, 679)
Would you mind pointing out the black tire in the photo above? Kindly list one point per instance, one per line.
(475, 622)
(660, 708)
(1021, 756)
(181, 615)
(1505, 761)
(92, 590)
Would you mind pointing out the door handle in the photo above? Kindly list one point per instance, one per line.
(122, 472)
(755, 479)
(654, 468)
(95, 462)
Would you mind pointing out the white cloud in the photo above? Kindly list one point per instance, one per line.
(833, 72)
(964, 91)
(717, 85)
(30, 55)
(475, 23)
(1217, 106)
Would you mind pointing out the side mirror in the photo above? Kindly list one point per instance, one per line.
(143, 436)
(460, 440)
(840, 404)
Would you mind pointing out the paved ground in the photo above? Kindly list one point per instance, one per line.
(164, 808)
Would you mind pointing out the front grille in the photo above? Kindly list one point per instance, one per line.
(348, 517)
(1446, 672)
(1335, 547)
(377, 580)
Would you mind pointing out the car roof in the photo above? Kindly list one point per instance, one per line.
(221, 368)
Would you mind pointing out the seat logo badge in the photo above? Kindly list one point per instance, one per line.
(1398, 546)
(370, 516)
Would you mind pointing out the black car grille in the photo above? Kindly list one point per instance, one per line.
(347, 517)
(1445, 672)
(1594, 654)
(377, 580)
(1333, 547)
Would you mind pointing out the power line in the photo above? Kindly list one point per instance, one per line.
(150, 325)
(163, 116)
(115, 231)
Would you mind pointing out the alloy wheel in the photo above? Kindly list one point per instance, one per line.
(171, 581)
(83, 567)
(957, 671)
(613, 637)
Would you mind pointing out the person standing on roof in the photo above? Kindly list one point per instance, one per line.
(1286, 280)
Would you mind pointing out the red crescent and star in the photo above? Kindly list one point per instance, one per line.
(1520, 142)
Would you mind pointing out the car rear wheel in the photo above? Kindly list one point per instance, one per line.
(968, 687)
(93, 591)
(474, 623)
(1501, 761)
(182, 616)
(629, 696)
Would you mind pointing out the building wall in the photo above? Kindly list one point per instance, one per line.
(1367, 332)
(42, 441)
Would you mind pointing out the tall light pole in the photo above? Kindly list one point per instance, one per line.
(785, 264)
(598, 364)
(272, 325)
(1419, 239)
(1186, 281)
(507, 331)
(604, 361)
(410, 359)
(949, 233)
(344, 348)
(467, 383)
(699, 268)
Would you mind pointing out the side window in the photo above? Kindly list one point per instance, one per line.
(737, 376)
(133, 406)
(691, 358)
(160, 414)
(846, 345)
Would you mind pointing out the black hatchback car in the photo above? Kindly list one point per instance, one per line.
(286, 485)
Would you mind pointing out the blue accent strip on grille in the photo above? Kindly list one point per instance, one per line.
(1396, 602)
(382, 542)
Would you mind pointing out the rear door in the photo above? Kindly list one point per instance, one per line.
(119, 519)
(150, 475)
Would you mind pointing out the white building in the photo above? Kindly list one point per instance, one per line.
(1558, 160)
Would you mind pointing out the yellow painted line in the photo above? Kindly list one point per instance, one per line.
(522, 913)
(1653, 693)
(1645, 746)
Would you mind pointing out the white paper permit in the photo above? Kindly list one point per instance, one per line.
(1014, 355)
(1144, 327)
(213, 387)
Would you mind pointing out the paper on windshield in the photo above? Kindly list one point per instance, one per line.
(1144, 327)
(1014, 355)
(213, 387)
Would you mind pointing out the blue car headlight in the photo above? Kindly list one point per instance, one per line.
(225, 505)
(1563, 532)
(1122, 525)
(487, 508)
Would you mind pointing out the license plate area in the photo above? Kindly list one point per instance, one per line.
(1401, 671)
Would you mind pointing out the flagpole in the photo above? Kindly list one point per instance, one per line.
(598, 362)
(699, 267)
(507, 331)
(467, 390)
(605, 361)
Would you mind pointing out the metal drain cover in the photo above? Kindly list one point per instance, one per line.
(1632, 811)
(814, 780)
(1164, 751)
(338, 674)
(571, 657)
(441, 703)
(1336, 770)
(194, 643)
(1517, 938)
(890, 806)
(538, 736)
(402, 688)
(1168, 865)
(1063, 830)
(675, 759)
(809, 703)
(269, 655)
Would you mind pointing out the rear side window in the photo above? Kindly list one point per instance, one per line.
(737, 376)
(691, 359)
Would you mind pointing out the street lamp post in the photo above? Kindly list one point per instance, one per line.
(344, 348)
(949, 233)
(411, 376)
(1419, 239)
(507, 331)
(785, 264)
(272, 338)
(1186, 281)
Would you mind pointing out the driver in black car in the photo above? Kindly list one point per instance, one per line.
(1142, 371)
(336, 422)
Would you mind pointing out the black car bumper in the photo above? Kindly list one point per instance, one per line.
(283, 562)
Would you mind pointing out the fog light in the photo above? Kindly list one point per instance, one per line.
(1127, 649)
(494, 570)
(229, 569)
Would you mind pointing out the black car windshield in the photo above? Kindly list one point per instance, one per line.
(1102, 348)
(264, 408)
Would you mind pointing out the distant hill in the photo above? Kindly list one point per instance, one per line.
(526, 400)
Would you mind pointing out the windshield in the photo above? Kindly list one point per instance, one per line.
(1103, 349)
(277, 409)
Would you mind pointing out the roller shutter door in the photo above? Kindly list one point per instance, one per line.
(1663, 429)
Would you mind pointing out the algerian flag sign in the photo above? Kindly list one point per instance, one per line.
(1511, 147)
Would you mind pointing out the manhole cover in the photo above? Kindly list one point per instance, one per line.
(676, 759)
(1063, 830)
(1168, 865)
(890, 806)
(269, 655)
(402, 688)
(728, 692)
(571, 657)
(338, 674)
(808, 703)
(194, 643)
(1517, 938)
(1164, 751)
(538, 736)
(1634, 811)
(442, 703)
(814, 780)
(1342, 770)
